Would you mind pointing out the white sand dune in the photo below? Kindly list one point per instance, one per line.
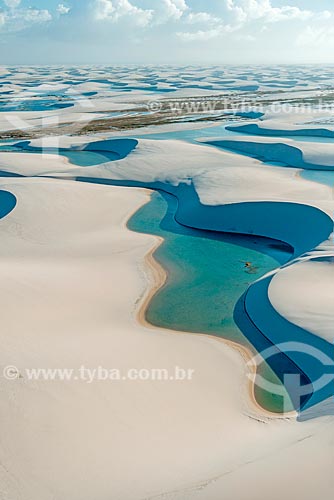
(304, 294)
(219, 176)
(74, 281)
(306, 155)
(70, 273)
(291, 121)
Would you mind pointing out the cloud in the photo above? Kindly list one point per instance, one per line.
(325, 15)
(244, 11)
(312, 36)
(162, 11)
(114, 10)
(12, 4)
(201, 18)
(18, 19)
(239, 14)
(173, 9)
(246, 17)
(200, 35)
(32, 15)
(234, 15)
(63, 9)
(245, 38)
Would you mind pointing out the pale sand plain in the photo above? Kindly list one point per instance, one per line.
(73, 279)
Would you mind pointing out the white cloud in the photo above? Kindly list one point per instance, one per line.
(12, 4)
(239, 14)
(17, 19)
(34, 15)
(245, 38)
(114, 10)
(325, 15)
(174, 9)
(200, 35)
(104, 9)
(321, 36)
(243, 11)
(236, 15)
(201, 18)
(63, 9)
(162, 11)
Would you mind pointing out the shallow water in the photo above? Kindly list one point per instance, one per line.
(33, 105)
(88, 158)
(80, 158)
(192, 135)
(7, 203)
(321, 176)
(311, 138)
(207, 274)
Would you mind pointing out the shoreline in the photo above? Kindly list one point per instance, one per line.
(156, 279)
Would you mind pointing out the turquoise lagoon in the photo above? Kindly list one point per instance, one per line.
(321, 176)
(80, 158)
(207, 272)
(206, 276)
(92, 154)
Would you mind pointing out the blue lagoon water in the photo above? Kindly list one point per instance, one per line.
(80, 158)
(207, 274)
(321, 176)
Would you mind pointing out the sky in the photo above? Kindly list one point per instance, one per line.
(177, 32)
